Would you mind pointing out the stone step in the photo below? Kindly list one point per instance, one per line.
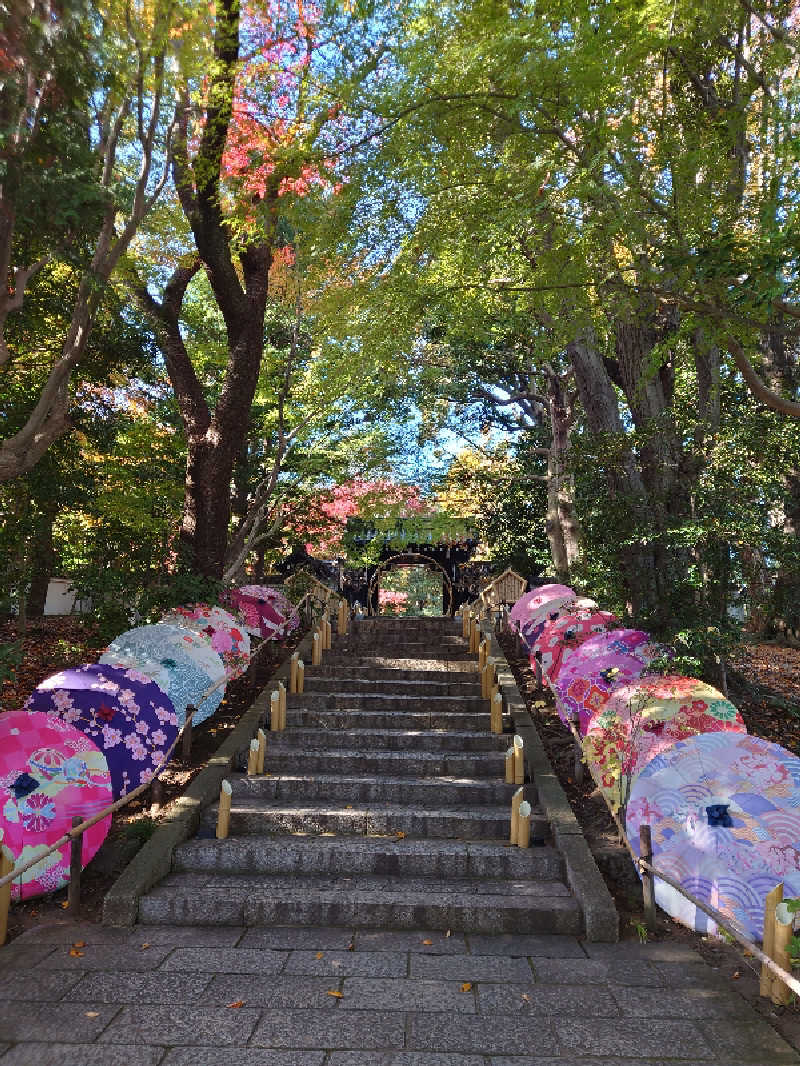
(339, 790)
(455, 741)
(344, 671)
(363, 661)
(357, 719)
(347, 856)
(398, 685)
(255, 817)
(379, 702)
(424, 650)
(392, 763)
(462, 905)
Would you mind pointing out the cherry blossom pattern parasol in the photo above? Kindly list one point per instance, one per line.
(49, 772)
(558, 607)
(533, 600)
(179, 662)
(585, 682)
(645, 717)
(228, 637)
(125, 714)
(724, 813)
(266, 611)
(561, 637)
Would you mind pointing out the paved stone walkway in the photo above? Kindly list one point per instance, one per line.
(163, 995)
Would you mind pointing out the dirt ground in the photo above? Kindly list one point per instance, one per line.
(52, 644)
(765, 685)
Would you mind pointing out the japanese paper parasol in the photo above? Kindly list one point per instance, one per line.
(560, 638)
(584, 683)
(531, 601)
(554, 609)
(645, 717)
(226, 634)
(125, 714)
(724, 813)
(182, 664)
(49, 773)
(266, 611)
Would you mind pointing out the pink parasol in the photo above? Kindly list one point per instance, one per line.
(227, 636)
(558, 607)
(534, 599)
(585, 682)
(561, 637)
(49, 772)
(645, 717)
(265, 611)
(724, 813)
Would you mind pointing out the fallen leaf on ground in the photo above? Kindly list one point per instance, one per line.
(320, 954)
(736, 975)
(79, 944)
(92, 1013)
(145, 946)
(427, 942)
(336, 993)
(467, 986)
(64, 905)
(526, 997)
(236, 1004)
(399, 835)
(76, 954)
(351, 946)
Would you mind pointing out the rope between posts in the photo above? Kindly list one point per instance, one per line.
(645, 867)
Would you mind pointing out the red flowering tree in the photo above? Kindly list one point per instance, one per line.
(257, 130)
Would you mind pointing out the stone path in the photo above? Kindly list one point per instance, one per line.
(384, 806)
(161, 995)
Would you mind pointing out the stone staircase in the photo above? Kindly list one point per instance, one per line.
(383, 805)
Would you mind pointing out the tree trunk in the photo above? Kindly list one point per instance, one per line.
(42, 557)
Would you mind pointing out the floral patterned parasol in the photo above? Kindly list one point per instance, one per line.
(266, 611)
(585, 682)
(179, 662)
(724, 813)
(531, 601)
(227, 636)
(645, 717)
(558, 607)
(561, 637)
(124, 713)
(49, 772)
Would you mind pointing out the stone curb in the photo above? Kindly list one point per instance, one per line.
(154, 859)
(584, 878)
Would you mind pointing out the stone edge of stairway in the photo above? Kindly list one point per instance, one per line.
(601, 919)
(153, 861)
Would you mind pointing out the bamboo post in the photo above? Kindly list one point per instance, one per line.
(261, 737)
(524, 825)
(316, 650)
(224, 811)
(464, 621)
(252, 758)
(510, 766)
(768, 941)
(6, 866)
(293, 672)
(186, 742)
(519, 760)
(275, 711)
(326, 634)
(577, 769)
(301, 675)
(648, 881)
(75, 850)
(156, 796)
(781, 993)
(516, 800)
(474, 635)
(282, 703)
(490, 678)
(496, 717)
